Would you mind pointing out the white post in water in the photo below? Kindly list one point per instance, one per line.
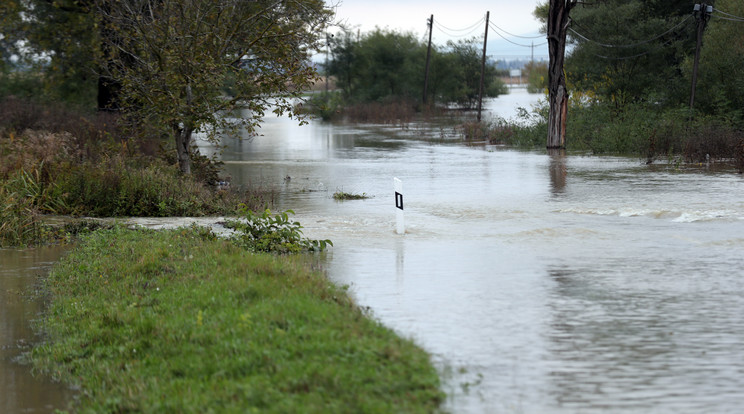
(400, 226)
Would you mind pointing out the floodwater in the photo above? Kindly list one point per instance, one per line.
(21, 392)
(539, 283)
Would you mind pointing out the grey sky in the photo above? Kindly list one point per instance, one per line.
(451, 17)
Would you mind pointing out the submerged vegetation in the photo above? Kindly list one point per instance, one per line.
(639, 131)
(267, 233)
(179, 321)
(342, 196)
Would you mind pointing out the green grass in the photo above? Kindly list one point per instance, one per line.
(178, 321)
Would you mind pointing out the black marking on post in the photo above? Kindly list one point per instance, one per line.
(399, 200)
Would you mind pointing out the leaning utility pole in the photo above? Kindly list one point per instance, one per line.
(558, 22)
(430, 23)
(702, 14)
(483, 69)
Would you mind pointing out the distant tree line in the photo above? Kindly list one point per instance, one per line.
(387, 65)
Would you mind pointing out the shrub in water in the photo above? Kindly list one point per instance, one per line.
(267, 233)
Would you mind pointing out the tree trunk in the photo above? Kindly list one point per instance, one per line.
(558, 21)
(183, 137)
(183, 148)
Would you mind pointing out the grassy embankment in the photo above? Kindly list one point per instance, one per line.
(178, 321)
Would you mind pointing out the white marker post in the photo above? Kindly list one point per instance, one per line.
(400, 226)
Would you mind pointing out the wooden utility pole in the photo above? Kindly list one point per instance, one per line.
(702, 14)
(428, 59)
(558, 22)
(483, 69)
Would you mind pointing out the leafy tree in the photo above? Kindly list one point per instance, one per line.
(720, 88)
(59, 41)
(389, 65)
(628, 51)
(172, 58)
(381, 65)
(462, 69)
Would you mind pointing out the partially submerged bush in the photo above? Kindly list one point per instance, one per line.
(267, 233)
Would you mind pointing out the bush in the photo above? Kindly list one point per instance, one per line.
(325, 105)
(275, 234)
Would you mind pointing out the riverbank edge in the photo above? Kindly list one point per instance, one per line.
(181, 321)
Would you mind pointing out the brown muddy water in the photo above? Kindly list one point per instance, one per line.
(20, 391)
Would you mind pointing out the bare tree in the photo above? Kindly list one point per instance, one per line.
(558, 21)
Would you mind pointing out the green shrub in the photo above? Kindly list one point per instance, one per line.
(325, 105)
(277, 234)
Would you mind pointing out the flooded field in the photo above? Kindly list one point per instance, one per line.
(540, 283)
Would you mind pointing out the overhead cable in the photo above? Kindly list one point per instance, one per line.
(641, 43)
(540, 36)
(728, 18)
(469, 28)
(732, 16)
(472, 29)
(496, 29)
(649, 51)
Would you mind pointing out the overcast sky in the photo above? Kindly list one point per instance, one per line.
(450, 18)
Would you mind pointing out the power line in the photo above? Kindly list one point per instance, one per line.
(472, 29)
(662, 45)
(728, 18)
(513, 35)
(732, 16)
(641, 43)
(469, 28)
(496, 30)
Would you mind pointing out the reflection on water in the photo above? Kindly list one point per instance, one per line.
(539, 282)
(20, 392)
(557, 170)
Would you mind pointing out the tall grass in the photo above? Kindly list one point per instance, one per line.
(54, 160)
(20, 222)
